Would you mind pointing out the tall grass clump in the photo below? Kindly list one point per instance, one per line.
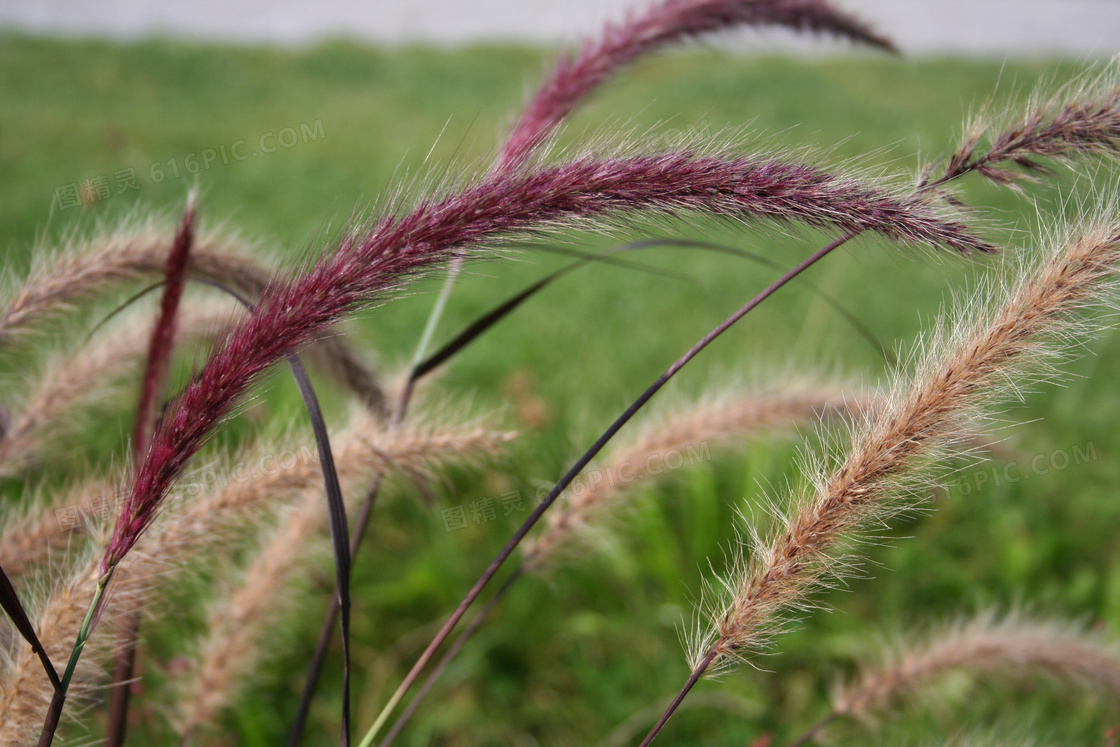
(198, 561)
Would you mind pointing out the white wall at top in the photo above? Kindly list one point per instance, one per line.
(994, 27)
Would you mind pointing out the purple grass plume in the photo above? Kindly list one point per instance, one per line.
(663, 23)
(371, 261)
(163, 334)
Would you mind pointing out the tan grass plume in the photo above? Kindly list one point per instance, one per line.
(988, 645)
(964, 367)
(52, 521)
(688, 432)
(68, 381)
(25, 692)
(241, 617)
(192, 529)
(1012, 647)
(89, 268)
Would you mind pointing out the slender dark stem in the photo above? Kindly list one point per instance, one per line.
(582, 462)
(48, 667)
(692, 680)
(155, 373)
(58, 700)
(338, 526)
(123, 669)
(814, 730)
(451, 653)
(9, 600)
(326, 633)
(54, 713)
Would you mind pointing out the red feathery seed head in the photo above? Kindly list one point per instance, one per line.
(1083, 117)
(368, 264)
(159, 349)
(662, 24)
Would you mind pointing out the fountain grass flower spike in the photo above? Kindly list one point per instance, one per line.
(371, 261)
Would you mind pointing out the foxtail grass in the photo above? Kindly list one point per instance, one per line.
(239, 624)
(720, 420)
(1011, 647)
(188, 530)
(51, 404)
(965, 367)
(1081, 117)
(663, 23)
(86, 269)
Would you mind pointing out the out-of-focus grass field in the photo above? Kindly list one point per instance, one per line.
(571, 656)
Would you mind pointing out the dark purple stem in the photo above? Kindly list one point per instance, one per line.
(327, 632)
(163, 334)
(582, 462)
(692, 680)
(451, 653)
(814, 730)
(159, 357)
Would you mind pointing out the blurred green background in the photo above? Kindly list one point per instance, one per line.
(573, 655)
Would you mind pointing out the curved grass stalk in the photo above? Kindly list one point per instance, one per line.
(959, 375)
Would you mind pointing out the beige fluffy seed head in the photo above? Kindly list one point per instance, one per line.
(962, 370)
(47, 526)
(692, 429)
(987, 645)
(259, 482)
(86, 269)
(192, 530)
(228, 653)
(93, 372)
(25, 692)
(239, 623)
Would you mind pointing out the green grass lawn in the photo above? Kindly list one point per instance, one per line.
(571, 656)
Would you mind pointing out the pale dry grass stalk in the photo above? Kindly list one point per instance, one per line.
(718, 421)
(239, 625)
(965, 366)
(69, 380)
(184, 536)
(715, 421)
(86, 269)
(364, 447)
(995, 737)
(241, 619)
(960, 372)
